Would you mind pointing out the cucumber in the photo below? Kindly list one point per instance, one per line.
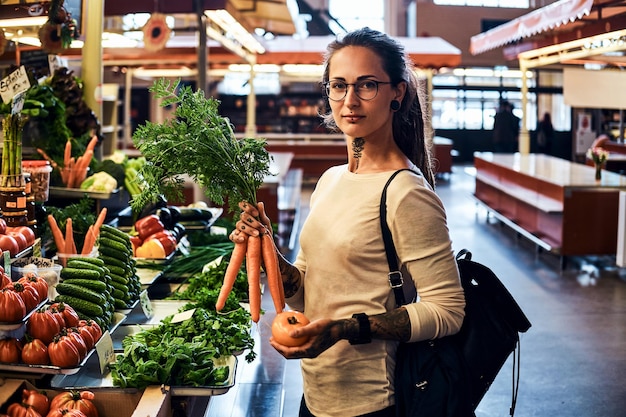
(113, 244)
(87, 308)
(110, 229)
(120, 295)
(92, 284)
(116, 270)
(79, 273)
(80, 292)
(120, 304)
(119, 286)
(119, 279)
(78, 264)
(91, 260)
(123, 256)
(115, 238)
(109, 260)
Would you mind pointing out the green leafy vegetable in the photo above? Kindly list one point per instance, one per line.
(183, 353)
(200, 143)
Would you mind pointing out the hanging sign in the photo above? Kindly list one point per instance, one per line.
(13, 84)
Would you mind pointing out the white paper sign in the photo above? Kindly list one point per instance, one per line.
(104, 349)
(13, 84)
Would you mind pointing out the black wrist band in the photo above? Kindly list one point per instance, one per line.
(365, 332)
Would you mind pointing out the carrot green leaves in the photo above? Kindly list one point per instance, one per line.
(199, 143)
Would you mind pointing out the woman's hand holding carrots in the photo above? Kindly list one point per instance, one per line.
(253, 241)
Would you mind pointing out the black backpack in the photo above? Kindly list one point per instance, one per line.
(451, 375)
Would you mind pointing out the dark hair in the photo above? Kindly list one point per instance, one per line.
(408, 121)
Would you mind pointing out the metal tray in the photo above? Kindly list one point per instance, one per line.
(90, 378)
(78, 193)
(56, 370)
(148, 276)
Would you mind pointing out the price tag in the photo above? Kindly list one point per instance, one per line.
(185, 315)
(13, 84)
(104, 349)
(37, 248)
(55, 62)
(18, 103)
(146, 304)
(6, 257)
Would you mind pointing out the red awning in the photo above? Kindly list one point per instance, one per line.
(537, 21)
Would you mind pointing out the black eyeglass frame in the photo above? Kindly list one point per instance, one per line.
(356, 90)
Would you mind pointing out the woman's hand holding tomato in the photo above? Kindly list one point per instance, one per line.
(318, 336)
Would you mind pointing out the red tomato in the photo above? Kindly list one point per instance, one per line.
(63, 353)
(25, 231)
(87, 336)
(37, 400)
(10, 350)
(21, 410)
(20, 239)
(76, 400)
(12, 307)
(284, 323)
(93, 327)
(35, 352)
(38, 282)
(8, 243)
(78, 341)
(27, 293)
(67, 313)
(3, 226)
(43, 325)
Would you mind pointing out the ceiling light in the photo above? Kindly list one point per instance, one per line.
(233, 30)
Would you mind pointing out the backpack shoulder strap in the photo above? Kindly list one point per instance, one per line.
(395, 276)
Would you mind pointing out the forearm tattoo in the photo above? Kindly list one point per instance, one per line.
(393, 325)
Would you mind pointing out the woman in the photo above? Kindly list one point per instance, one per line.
(339, 279)
(545, 134)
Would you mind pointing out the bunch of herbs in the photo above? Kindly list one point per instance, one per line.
(200, 143)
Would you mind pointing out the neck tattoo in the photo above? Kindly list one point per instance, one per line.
(357, 150)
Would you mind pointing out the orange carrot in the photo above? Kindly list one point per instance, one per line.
(67, 154)
(90, 240)
(253, 269)
(70, 245)
(82, 164)
(99, 221)
(92, 144)
(270, 262)
(230, 276)
(59, 240)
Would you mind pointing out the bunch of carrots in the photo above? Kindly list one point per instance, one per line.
(65, 242)
(255, 250)
(74, 169)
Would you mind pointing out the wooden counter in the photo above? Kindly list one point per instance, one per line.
(556, 203)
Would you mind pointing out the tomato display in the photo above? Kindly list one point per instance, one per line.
(26, 292)
(8, 243)
(284, 323)
(21, 410)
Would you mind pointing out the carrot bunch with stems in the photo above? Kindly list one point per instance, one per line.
(66, 243)
(198, 143)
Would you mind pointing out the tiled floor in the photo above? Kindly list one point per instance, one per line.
(573, 357)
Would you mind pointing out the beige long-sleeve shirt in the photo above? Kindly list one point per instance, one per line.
(343, 263)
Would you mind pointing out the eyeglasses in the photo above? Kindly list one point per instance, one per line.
(365, 89)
